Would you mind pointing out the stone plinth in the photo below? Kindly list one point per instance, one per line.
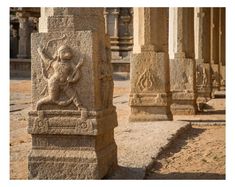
(65, 146)
(183, 86)
(149, 99)
(72, 119)
(215, 78)
(203, 80)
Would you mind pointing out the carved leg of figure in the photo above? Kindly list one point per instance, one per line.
(71, 93)
(42, 101)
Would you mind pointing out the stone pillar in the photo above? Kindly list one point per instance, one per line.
(115, 37)
(214, 52)
(150, 92)
(182, 67)
(106, 20)
(222, 47)
(116, 14)
(13, 42)
(24, 35)
(72, 119)
(202, 54)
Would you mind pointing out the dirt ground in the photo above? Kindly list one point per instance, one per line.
(197, 154)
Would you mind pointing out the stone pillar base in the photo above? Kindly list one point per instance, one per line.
(182, 80)
(150, 107)
(150, 97)
(203, 81)
(183, 109)
(67, 145)
(183, 104)
(72, 164)
(215, 79)
(150, 114)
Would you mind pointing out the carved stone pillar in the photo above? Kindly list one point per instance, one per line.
(202, 53)
(24, 35)
(214, 52)
(72, 119)
(182, 67)
(150, 95)
(222, 47)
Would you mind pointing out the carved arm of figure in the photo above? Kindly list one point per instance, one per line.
(76, 74)
(44, 57)
(46, 60)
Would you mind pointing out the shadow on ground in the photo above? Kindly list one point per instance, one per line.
(187, 176)
(175, 146)
(126, 173)
(212, 112)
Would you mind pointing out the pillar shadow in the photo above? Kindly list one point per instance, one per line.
(187, 176)
(175, 146)
(126, 173)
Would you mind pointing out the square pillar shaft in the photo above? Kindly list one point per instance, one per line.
(214, 52)
(202, 55)
(222, 47)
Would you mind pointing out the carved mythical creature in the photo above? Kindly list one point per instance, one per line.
(65, 73)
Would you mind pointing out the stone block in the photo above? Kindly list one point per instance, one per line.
(149, 98)
(203, 80)
(182, 85)
(215, 78)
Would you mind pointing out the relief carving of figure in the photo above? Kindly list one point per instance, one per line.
(62, 80)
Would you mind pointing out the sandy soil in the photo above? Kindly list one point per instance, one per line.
(198, 154)
(22, 86)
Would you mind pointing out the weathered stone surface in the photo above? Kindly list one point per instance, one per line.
(202, 55)
(73, 116)
(182, 82)
(182, 66)
(215, 78)
(53, 122)
(150, 96)
(203, 80)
